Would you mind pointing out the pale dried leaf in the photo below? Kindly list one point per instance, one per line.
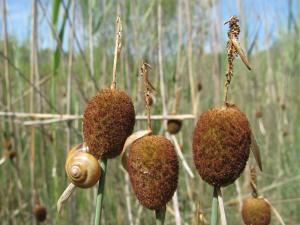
(65, 196)
(275, 212)
(181, 157)
(255, 150)
(2, 160)
(241, 52)
(132, 138)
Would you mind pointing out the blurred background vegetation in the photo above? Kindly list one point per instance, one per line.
(56, 54)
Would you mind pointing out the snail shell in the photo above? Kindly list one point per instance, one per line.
(82, 169)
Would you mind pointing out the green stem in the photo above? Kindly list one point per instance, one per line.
(100, 194)
(214, 210)
(160, 216)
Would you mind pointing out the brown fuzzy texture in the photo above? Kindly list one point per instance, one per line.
(256, 211)
(40, 213)
(108, 120)
(259, 114)
(174, 126)
(221, 145)
(153, 170)
(199, 86)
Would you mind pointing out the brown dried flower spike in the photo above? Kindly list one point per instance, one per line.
(221, 145)
(108, 120)
(233, 49)
(152, 163)
(153, 169)
(109, 117)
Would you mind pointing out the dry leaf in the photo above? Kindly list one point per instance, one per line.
(255, 150)
(179, 153)
(65, 196)
(275, 212)
(132, 138)
(241, 52)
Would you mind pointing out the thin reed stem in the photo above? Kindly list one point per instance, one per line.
(214, 209)
(100, 195)
(160, 215)
(118, 46)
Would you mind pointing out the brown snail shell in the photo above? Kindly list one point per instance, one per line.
(82, 168)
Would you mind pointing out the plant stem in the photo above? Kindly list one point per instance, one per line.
(100, 194)
(221, 206)
(214, 210)
(160, 215)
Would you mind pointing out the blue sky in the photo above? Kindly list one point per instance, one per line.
(273, 13)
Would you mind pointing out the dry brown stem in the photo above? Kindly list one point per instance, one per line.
(148, 89)
(253, 181)
(118, 47)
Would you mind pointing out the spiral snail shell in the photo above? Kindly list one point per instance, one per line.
(82, 168)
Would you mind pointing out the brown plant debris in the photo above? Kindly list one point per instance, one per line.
(153, 169)
(148, 89)
(40, 212)
(253, 181)
(221, 145)
(258, 114)
(174, 126)
(256, 211)
(233, 50)
(108, 120)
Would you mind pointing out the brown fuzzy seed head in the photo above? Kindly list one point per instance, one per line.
(40, 212)
(11, 154)
(174, 126)
(256, 211)
(153, 170)
(258, 114)
(108, 120)
(221, 145)
(199, 86)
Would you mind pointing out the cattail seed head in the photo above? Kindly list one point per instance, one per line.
(40, 212)
(108, 120)
(221, 145)
(174, 126)
(258, 114)
(153, 169)
(256, 211)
